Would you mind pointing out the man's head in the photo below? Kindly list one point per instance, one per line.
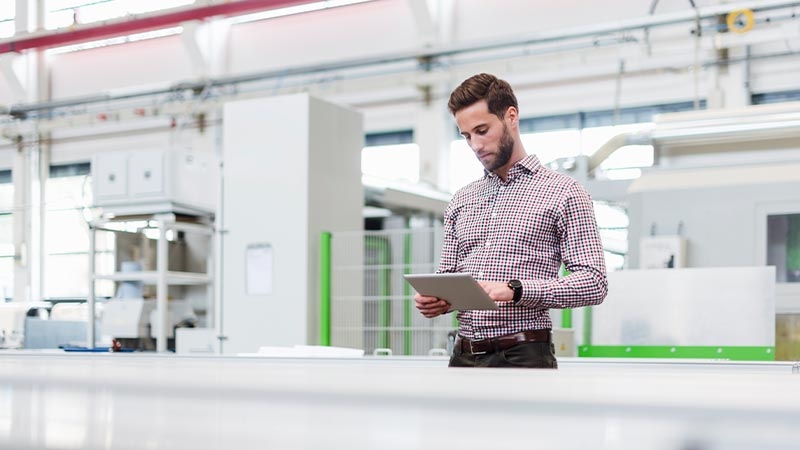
(497, 93)
(485, 110)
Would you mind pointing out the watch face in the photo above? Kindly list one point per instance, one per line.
(516, 286)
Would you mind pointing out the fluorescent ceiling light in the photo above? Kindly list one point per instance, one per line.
(290, 10)
(116, 40)
(263, 15)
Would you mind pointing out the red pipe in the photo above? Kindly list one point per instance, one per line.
(141, 24)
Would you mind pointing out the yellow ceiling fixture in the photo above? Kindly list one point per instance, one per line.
(741, 20)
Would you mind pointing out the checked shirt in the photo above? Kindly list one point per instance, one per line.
(523, 229)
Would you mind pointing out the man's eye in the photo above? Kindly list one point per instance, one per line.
(481, 132)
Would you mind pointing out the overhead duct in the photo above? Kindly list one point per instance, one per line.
(643, 137)
(697, 128)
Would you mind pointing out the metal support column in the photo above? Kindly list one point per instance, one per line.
(90, 299)
(162, 257)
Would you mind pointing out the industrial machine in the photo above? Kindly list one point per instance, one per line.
(134, 322)
(159, 205)
(14, 321)
(154, 181)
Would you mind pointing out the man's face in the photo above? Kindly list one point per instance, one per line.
(486, 134)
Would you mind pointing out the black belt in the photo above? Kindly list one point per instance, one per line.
(500, 343)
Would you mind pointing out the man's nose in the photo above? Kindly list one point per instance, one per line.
(476, 144)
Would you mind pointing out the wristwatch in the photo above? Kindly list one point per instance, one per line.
(516, 286)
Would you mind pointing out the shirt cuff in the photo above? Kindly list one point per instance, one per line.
(529, 294)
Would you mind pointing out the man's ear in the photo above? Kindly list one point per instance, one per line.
(512, 116)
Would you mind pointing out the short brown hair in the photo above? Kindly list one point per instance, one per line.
(483, 86)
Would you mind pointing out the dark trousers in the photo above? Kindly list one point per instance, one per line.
(534, 355)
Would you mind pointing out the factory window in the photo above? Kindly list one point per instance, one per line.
(389, 138)
(391, 162)
(65, 270)
(6, 236)
(463, 166)
(391, 156)
(783, 246)
(7, 13)
(602, 118)
(775, 97)
(549, 123)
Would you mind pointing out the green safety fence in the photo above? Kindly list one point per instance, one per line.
(407, 294)
(384, 255)
(325, 289)
(382, 248)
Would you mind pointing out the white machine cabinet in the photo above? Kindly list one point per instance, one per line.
(110, 176)
(200, 227)
(149, 181)
(292, 170)
(146, 171)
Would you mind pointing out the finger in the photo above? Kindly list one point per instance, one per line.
(427, 312)
(439, 304)
(422, 306)
(434, 302)
(432, 312)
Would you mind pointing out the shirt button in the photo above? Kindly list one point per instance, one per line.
(480, 274)
(488, 244)
(494, 214)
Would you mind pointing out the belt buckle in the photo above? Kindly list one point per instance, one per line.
(473, 352)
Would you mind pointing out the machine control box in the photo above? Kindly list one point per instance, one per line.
(154, 181)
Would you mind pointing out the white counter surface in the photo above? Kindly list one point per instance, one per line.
(140, 401)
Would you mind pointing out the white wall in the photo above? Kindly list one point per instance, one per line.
(333, 35)
(145, 64)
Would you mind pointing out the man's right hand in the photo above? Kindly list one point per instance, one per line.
(431, 307)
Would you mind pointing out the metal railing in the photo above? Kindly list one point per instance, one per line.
(365, 301)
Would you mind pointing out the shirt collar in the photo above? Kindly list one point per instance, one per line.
(529, 163)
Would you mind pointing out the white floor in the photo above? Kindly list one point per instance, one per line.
(138, 401)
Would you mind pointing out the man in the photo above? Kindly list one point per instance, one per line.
(511, 230)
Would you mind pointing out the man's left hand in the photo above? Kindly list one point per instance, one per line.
(498, 291)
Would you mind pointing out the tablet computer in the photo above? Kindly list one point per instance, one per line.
(459, 289)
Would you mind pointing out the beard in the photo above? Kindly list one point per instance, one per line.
(505, 148)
